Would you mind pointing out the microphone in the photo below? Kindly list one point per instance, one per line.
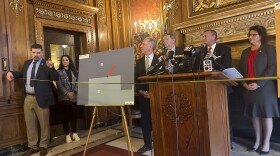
(213, 59)
(201, 54)
(189, 51)
(152, 68)
(160, 64)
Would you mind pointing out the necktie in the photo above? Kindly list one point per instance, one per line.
(209, 49)
(33, 74)
(147, 63)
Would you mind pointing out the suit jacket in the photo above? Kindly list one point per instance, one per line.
(43, 90)
(219, 64)
(264, 63)
(178, 51)
(64, 86)
(140, 70)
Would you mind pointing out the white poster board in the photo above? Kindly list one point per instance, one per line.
(107, 78)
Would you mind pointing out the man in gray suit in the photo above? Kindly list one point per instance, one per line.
(37, 75)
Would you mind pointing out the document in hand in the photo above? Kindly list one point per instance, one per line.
(232, 73)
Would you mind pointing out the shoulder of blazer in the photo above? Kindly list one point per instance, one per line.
(26, 64)
(221, 47)
(267, 47)
(141, 60)
(179, 50)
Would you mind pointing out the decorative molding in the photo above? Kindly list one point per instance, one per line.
(231, 29)
(119, 11)
(16, 6)
(184, 108)
(81, 1)
(199, 5)
(62, 16)
(68, 6)
(114, 11)
(173, 7)
(222, 3)
(66, 15)
(224, 13)
(101, 14)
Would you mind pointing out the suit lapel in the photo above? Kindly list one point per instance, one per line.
(27, 66)
(154, 61)
(216, 51)
(40, 68)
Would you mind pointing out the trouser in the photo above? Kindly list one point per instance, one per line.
(34, 114)
(69, 116)
(146, 123)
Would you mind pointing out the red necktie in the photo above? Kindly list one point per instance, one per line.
(209, 49)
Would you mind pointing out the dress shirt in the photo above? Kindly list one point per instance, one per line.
(151, 56)
(28, 88)
(212, 48)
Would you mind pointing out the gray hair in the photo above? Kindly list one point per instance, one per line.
(152, 42)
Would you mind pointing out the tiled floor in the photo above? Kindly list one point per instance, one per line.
(114, 137)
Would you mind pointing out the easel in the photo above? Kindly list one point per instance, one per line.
(129, 146)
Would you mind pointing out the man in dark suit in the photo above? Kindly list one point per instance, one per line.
(169, 42)
(37, 75)
(224, 61)
(150, 59)
(223, 53)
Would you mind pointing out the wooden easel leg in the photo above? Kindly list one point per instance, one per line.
(93, 116)
(126, 132)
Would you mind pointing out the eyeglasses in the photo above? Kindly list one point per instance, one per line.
(253, 35)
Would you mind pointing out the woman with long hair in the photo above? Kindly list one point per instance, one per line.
(67, 96)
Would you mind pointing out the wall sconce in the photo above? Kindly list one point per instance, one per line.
(167, 7)
(170, 6)
(146, 28)
(16, 5)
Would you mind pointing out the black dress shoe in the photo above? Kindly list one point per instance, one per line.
(264, 152)
(252, 149)
(30, 152)
(144, 149)
(43, 151)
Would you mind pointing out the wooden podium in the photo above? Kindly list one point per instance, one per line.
(202, 114)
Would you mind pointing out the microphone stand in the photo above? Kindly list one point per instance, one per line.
(214, 60)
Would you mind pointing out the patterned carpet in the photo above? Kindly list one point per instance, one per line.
(106, 150)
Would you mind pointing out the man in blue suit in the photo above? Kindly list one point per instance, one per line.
(37, 75)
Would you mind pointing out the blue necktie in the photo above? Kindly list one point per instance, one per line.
(33, 74)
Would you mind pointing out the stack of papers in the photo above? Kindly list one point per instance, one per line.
(232, 73)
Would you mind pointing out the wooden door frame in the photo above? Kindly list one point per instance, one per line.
(87, 39)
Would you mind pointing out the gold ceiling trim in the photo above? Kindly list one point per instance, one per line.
(231, 29)
(67, 6)
(47, 13)
(216, 15)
